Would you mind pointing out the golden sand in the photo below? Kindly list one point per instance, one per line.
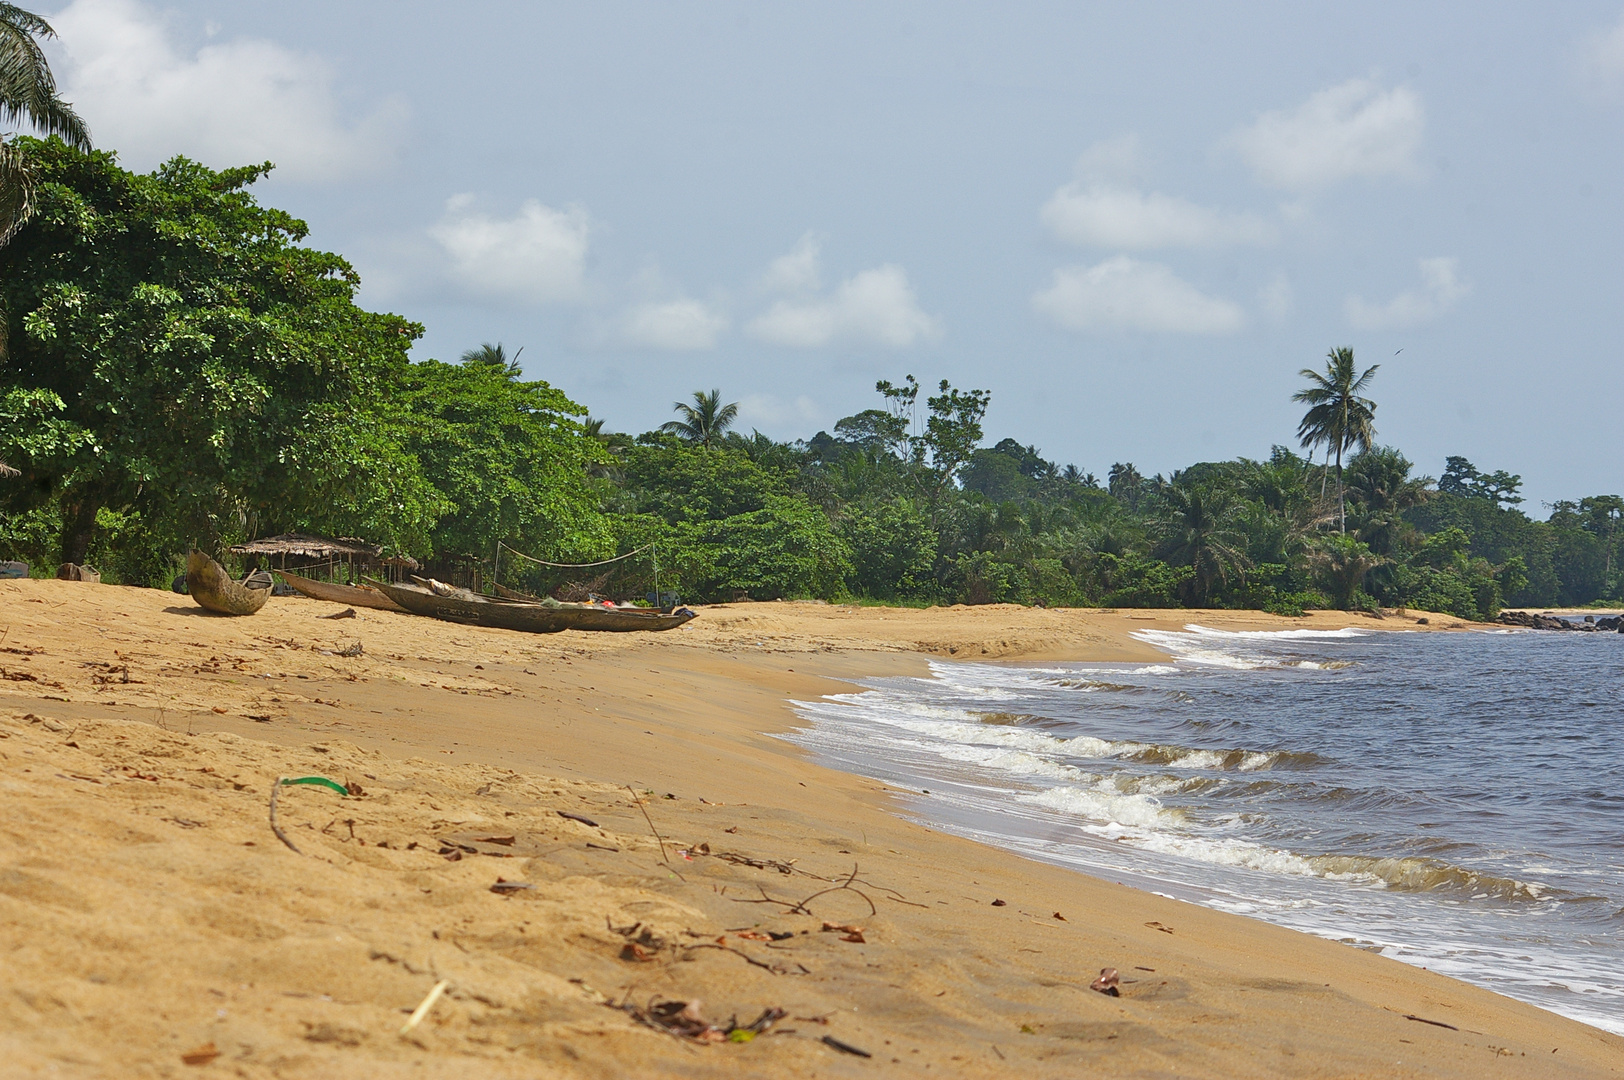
(153, 925)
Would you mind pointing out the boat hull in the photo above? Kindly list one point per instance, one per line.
(208, 583)
(531, 617)
(332, 592)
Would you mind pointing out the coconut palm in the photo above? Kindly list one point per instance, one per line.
(1342, 563)
(1338, 417)
(1379, 482)
(1198, 526)
(1125, 483)
(494, 356)
(27, 96)
(705, 421)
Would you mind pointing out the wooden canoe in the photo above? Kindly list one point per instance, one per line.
(530, 616)
(333, 592)
(208, 583)
(514, 594)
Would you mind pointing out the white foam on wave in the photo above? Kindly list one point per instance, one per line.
(957, 735)
(1202, 645)
(1271, 635)
(1143, 811)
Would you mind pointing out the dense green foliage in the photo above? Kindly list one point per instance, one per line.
(182, 371)
(179, 369)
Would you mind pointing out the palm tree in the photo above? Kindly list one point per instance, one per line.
(705, 421)
(1338, 417)
(613, 443)
(1342, 563)
(494, 356)
(1125, 483)
(1380, 483)
(1198, 527)
(28, 95)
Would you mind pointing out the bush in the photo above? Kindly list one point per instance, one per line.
(785, 549)
(980, 577)
(1137, 581)
(893, 550)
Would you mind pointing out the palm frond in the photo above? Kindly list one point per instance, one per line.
(16, 191)
(27, 87)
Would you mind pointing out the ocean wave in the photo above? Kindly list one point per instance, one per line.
(1239, 760)
(945, 730)
(1269, 635)
(1400, 874)
(1202, 645)
(1115, 808)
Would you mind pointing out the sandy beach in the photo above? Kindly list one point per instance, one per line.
(648, 840)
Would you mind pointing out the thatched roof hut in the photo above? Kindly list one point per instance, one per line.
(306, 549)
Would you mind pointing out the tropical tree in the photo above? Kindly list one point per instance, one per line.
(1198, 526)
(175, 353)
(493, 356)
(1125, 483)
(510, 459)
(27, 96)
(1338, 417)
(1379, 482)
(705, 421)
(1342, 563)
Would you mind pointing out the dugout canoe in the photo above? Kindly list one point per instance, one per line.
(514, 594)
(529, 616)
(208, 583)
(336, 593)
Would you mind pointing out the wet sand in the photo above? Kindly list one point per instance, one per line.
(147, 910)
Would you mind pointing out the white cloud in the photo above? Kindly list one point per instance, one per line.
(797, 271)
(1126, 294)
(1440, 289)
(536, 257)
(1601, 57)
(678, 325)
(1355, 129)
(235, 103)
(876, 306)
(1103, 215)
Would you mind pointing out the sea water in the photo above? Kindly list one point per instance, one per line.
(1455, 801)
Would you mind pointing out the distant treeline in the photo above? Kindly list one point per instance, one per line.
(176, 370)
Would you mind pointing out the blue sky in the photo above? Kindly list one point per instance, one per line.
(1132, 223)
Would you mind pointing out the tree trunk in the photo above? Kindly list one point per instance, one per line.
(79, 529)
(1341, 503)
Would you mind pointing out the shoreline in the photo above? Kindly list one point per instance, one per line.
(453, 731)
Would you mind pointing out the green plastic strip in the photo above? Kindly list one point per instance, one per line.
(320, 781)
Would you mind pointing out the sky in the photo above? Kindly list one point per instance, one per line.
(1133, 224)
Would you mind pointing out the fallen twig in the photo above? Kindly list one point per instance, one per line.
(1434, 1023)
(844, 1048)
(276, 792)
(423, 1009)
(872, 910)
(776, 970)
(658, 839)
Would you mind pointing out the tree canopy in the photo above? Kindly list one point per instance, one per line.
(182, 369)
